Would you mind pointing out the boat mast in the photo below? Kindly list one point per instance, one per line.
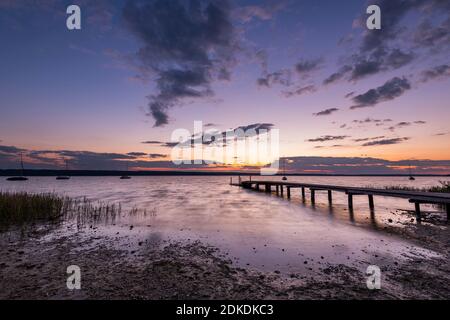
(21, 164)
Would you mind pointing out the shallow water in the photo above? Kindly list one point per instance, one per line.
(254, 229)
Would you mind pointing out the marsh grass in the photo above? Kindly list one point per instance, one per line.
(22, 210)
(444, 187)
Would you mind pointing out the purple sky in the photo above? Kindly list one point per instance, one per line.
(138, 70)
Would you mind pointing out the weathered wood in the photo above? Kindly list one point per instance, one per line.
(416, 197)
(278, 189)
(350, 201)
(268, 187)
(330, 197)
(288, 192)
(418, 213)
(313, 195)
(371, 203)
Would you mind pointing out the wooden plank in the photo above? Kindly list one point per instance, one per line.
(416, 197)
(330, 197)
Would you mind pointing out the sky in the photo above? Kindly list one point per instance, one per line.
(343, 98)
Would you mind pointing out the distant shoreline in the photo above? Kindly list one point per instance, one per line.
(113, 173)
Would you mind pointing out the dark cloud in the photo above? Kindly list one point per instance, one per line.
(327, 138)
(305, 67)
(337, 75)
(393, 11)
(10, 150)
(405, 124)
(187, 45)
(156, 155)
(350, 94)
(332, 146)
(262, 12)
(302, 90)
(85, 160)
(385, 142)
(136, 154)
(208, 137)
(380, 60)
(428, 35)
(326, 112)
(392, 89)
(364, 165)
(379, 50)
(371, 120)
(435, 72)
(368, 139)
(282, 77)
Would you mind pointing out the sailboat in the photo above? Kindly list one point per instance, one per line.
(64, 177)
(21, 177)
(125, 177)
(284, 171)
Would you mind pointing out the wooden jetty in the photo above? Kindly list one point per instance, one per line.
(415, 197)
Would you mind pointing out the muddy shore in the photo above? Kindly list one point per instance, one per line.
(34, 267)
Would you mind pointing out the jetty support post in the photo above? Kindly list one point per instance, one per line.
(313, 195)
(330, 197)
(350, 201)
(418, 213)
(447, 207)
(371, 203)
(288, 192)
(257, 187)
(278, 189)
(303, 194)
(282, 190)
(268, 187)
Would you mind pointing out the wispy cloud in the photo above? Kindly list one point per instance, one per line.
(327, 138)
(384, 142)
(435, 72)
(392, 89)
(326, 112)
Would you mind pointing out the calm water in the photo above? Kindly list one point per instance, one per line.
(254, 229)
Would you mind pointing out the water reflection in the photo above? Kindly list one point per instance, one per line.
(284, 232)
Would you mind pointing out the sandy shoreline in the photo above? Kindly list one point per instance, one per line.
(35, 268)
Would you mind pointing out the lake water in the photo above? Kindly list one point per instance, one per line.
(254, 229)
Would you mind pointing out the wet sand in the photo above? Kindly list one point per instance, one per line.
(34, 267)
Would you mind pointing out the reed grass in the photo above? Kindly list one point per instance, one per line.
(444, 187)
(22, 209)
